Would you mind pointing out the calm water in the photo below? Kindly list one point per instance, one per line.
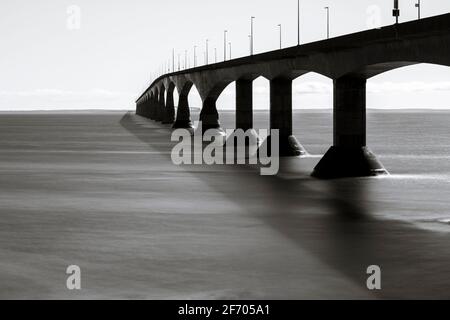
(414, 146)
(99, 190)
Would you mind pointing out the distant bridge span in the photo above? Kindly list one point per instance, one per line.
(348, 60)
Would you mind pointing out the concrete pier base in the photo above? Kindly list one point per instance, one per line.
(341, 162)
(183, 120)
(288, 147)
(183, 124)
(210, 118)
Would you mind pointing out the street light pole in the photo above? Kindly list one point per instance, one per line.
(206, 54)
(195, 56)
(328, 22)
(252, 37)
(229, 43)
(281, 46)
(396, 11)
(418, 8)
(173, 60)
(298, 21)
(215, 55)
(225, 45)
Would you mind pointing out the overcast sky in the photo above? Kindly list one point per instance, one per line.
(78, 54)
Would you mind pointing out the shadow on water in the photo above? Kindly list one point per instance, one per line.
(333, 220)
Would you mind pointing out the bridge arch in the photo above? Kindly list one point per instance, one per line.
(427, 85)
(372, 70)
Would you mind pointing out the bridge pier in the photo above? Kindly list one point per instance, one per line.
(244, 108)
(244, 104)
(349, 156)
(145, 108)
(281, 118)
(149, 105)
(244, 121)
(138, 109)
(183, 120)
(159, 107)
(210, 117)
(169, 112)
(142, 108)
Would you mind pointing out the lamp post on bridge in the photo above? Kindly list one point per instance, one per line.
(206, 54)
(215, 55)
(298, 22)
(418, 6)
(229, 43)
(328, 22)
(225, 45)
(195, 56)
(173, 60)
(396, 11)
(252, 37)
(281, 45)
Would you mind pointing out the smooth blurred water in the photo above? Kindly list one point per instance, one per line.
(413, 145)
(99, 190)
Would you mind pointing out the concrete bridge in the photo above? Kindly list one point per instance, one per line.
(348, 60)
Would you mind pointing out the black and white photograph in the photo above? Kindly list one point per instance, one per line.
(241, 152)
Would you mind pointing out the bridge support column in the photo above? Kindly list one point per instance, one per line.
(160, 108)
(149, 108)
(349, 156)
(183, 114)
(210, 117)
(138, 109)
(145, 108)
(169, 112)
(141, 108)
(244, 121)
(281, 117)
(154, 108)
(244, 104)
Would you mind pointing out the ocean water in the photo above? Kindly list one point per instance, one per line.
(413, 145)
(99, 190)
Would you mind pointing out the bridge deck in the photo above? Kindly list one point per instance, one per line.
(429, 27)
